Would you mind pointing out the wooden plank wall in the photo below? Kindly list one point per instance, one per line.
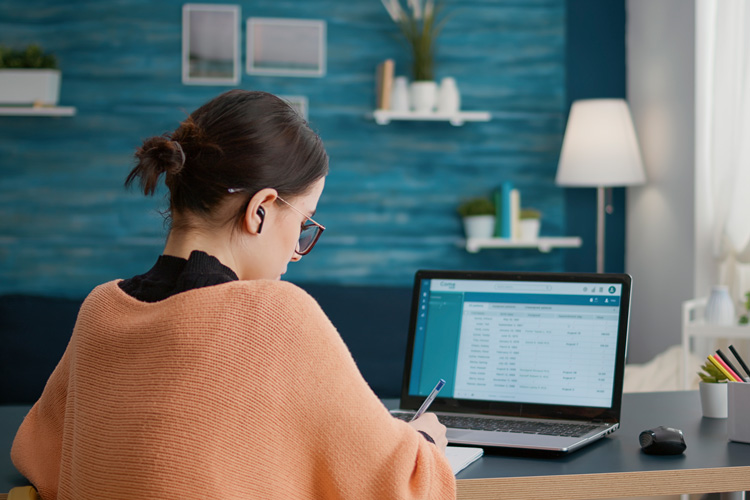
(67, 224)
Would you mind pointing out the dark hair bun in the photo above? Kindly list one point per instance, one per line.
(158, 155)
(240, 139)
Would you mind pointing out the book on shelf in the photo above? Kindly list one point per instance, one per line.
(384, 84)
(507, 211)
(515, 214)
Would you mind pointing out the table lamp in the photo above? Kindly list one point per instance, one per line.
(600, 150)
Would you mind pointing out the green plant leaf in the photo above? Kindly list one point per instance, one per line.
(476, 206)
(711, 374)
(31, 57)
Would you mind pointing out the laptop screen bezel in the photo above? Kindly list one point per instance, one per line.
(514, 409)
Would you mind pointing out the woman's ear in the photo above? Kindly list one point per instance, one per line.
(255, 214)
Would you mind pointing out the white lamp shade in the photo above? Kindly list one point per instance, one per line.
(600, 147)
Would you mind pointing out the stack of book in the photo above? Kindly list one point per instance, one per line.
(508, 212)
(384, 84)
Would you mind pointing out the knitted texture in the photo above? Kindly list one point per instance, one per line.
(240, 390)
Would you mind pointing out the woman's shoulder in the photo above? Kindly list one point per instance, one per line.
(242, 295)
(271, 297)
(268, 290)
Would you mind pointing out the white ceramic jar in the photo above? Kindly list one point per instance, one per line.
(720, 307)
(449, 99)
(400, 94)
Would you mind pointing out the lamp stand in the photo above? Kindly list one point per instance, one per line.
(600, 229)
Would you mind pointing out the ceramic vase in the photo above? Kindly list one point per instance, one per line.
(449, 99)
(423, 96)
(400, 94)
(479, 226)
(713, 399)
(529, 229)
(720, 307)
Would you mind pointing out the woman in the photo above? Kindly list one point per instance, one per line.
(207, 376)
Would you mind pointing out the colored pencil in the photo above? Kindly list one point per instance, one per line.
(729, 370)
(721, 368)
(729, 364)
(741, 361)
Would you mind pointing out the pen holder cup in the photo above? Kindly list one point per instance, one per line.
(738, 399)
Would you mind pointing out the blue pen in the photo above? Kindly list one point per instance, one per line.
(429, 400)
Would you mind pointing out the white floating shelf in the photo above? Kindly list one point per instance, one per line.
(473, 245)
(37, 111)
(384, 117)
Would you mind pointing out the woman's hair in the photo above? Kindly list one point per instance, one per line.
(245, 140)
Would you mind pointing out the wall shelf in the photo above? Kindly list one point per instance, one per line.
(37, 111)
(473, 245)
(384, 117)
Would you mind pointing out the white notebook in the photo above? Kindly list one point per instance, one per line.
(461, 456)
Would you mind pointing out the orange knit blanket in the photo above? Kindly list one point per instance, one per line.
(241, 390)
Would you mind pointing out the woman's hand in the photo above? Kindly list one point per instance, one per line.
(429, 423)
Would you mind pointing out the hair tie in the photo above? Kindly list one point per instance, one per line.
(182, 153)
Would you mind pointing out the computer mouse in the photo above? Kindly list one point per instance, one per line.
(662, 441)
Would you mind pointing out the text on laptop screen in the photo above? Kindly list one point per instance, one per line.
(528, 342)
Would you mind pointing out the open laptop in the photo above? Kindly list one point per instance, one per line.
(531, 360)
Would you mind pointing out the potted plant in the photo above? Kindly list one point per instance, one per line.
(28, 76)
(713, 391)
(478, 216)
(529, 224)
(420, 27)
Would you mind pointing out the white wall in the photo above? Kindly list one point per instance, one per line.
(660, 219)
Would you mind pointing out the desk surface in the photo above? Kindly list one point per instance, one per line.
(612, 467)
(615, 467)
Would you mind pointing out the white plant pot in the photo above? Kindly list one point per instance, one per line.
(479, 226)
(713, 399)
(423, 96)
(29, 86)
(529, 229)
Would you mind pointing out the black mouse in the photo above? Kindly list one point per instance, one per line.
(662, 441)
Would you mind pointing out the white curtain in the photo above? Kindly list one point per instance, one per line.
(727, 109)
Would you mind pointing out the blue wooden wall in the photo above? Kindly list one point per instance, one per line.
(67, 224)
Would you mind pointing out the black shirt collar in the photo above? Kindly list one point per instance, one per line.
(172, 275)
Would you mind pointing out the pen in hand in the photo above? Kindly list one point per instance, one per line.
(429, 400)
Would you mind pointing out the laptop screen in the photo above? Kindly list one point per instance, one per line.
(518, 340)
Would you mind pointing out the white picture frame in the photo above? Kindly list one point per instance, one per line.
(286, 47)
(298, 102)
(210, 44)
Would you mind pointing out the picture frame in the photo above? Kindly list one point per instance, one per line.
(286, 47)
(210, 44)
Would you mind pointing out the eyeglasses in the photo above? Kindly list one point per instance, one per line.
(309, 233)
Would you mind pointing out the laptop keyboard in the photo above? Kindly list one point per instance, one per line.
(509, 425)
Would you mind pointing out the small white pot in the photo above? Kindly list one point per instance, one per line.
(29, 86)
(400, 94)
(720, 308)
(423, 96)
(529, 229)
(713, 399)
(449, 100)
(479, 226)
